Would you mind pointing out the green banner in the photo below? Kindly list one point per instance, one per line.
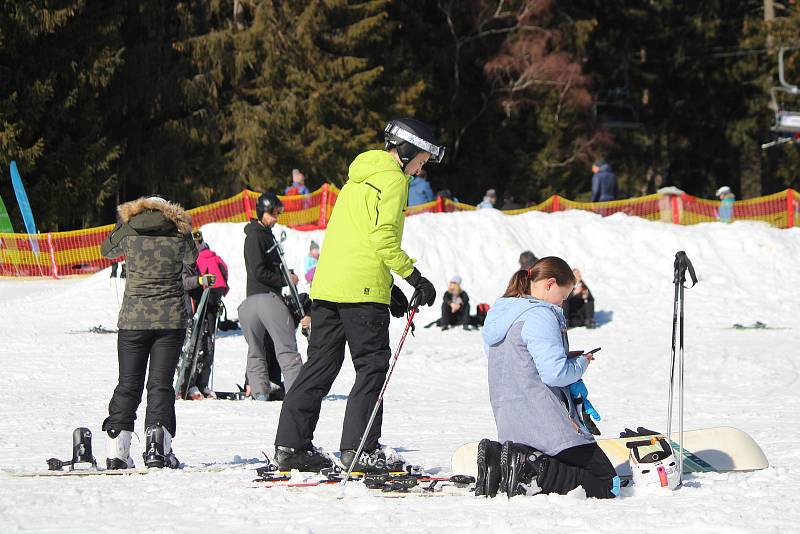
(5, 221)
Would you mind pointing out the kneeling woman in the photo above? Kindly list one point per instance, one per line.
(155, 237)
(546, 446)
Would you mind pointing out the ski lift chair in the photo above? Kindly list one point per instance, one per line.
(787, 123)
(617, 111)
(616, 115)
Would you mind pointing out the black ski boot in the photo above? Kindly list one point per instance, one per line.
(158, 448)
(82, 457)
(489, 473)
(312, 460)
(522, 466)
(374, 461)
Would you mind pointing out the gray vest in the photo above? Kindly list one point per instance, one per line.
(526, 410)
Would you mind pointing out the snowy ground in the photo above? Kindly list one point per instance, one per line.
(57, 376)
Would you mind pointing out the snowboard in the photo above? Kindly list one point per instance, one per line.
(211, 468)
(716, 450)
(187, 361)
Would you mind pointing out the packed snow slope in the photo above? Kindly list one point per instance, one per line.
(57, 376)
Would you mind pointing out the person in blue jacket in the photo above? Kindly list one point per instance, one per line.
(604, 182)
(546, 447)
(419, 190)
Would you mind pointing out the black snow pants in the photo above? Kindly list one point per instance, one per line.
(365, 328)
(452, 319)
(578, 312)
(134, 349)
(597, 473)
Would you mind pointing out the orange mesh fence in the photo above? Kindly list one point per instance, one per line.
(78, 252)
(647, 207)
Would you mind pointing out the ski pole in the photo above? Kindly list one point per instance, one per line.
(378, 402)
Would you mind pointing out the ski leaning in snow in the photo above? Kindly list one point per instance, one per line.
(187, 362)
(716, 450)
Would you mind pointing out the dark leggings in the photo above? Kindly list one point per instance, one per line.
(597, 473)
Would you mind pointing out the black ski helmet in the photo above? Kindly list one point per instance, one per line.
(410, 137)
(267, 202)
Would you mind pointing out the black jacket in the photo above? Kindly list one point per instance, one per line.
(448, 298)
(263, 271)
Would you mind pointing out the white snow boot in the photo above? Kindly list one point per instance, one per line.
(118, 450)
(158, 448)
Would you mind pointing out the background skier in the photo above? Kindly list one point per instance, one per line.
(210, 270)
(155, 237)
(604, 182)
(352, 293)
(455, 305)
(264, 310)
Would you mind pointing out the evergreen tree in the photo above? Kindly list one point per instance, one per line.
(57, 65)
(300, 84)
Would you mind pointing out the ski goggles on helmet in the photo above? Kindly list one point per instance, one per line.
(436, 152)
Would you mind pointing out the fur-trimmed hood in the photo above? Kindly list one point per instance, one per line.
(171, 211)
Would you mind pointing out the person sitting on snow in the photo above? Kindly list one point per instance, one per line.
(455, 305)
(579, 306)
(543, 441)
(527, 259)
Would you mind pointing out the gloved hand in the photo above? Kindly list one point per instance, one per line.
(424, 292)
(207, 280)
(399, 303)
(578, 391)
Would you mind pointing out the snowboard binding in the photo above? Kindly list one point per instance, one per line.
(82, 457)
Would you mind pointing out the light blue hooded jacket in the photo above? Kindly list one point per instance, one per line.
(525, 340)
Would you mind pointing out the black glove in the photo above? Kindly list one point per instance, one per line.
(424, 292)
(399, 304)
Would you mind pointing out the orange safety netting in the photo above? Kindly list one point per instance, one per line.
(78, 252)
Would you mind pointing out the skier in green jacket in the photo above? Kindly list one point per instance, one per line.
(353, 294)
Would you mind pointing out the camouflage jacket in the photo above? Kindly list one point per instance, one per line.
(155, 238)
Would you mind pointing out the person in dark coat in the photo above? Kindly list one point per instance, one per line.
(579, 306)
(155, 237)
(604, 182)
(527, 259)
(455, 305)
(264, 312)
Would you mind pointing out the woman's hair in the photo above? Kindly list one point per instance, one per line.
(549, 267)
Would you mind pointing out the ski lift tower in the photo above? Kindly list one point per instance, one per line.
(787, 122)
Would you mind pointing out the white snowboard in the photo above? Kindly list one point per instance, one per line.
(715, 449)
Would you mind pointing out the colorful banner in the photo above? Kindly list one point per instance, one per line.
(24, 205)
(5, 220)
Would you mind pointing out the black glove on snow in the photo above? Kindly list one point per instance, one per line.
(424, 292)
(399, 305)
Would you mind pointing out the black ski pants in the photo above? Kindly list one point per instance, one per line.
(135, 348)
(365, 328)
(452, 319)
(596, 470)
(578, 312)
